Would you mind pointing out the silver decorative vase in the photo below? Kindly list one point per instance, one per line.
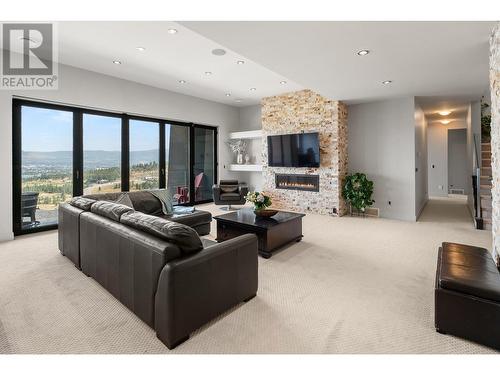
(239, 158)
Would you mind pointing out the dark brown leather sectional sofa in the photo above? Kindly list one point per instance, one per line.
(162, 270)
(143, 201)
(467, 294)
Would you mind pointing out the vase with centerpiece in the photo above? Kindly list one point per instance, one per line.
(238, 147)
(261, 202)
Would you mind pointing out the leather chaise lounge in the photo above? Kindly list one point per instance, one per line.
(162, 270)
(467, 294)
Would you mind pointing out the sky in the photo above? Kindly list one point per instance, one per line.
(49, 130)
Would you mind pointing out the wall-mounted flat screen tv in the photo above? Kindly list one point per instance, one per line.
(293, 150)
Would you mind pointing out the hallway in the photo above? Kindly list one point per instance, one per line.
(452, 211)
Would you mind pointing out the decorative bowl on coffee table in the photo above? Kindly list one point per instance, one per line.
(265, 212)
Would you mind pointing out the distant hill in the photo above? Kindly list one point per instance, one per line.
(92, 159)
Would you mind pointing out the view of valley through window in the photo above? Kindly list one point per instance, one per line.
(47, 160)
(47, 164)
(144, 155)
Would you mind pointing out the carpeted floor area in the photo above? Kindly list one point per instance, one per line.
(353, 285)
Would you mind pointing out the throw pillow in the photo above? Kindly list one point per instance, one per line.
(166, 200)
(125, 200)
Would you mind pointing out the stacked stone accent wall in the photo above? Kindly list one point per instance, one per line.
(495, 134)
(306, 111)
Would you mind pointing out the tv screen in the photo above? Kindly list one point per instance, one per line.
(293, 150)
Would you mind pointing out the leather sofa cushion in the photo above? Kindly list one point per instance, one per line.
(111, 197)
(229, 188)
(110, 210)
(146, 202)
(82, 203)
(191, 219)
(183, 236)
(470, 270)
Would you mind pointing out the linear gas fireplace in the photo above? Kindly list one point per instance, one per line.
(306, 182)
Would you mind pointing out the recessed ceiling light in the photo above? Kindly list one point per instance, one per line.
(140, 48)
(386, 82)
(445, 122)
(282, 82)
(218, 52)
(444, 113)
(182, 81)
(240, 62)
(228, 94)
(117, 62)
(252, 89)
(208, 73)
(172, 31)
(363, 52)
(239, 100)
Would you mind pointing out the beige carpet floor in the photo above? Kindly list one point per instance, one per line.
(353, 285)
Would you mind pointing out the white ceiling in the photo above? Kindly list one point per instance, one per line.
(167, 58)
(431, 106)
(421, 58)
(446, 59)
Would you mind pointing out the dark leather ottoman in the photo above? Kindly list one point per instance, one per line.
(467, 294)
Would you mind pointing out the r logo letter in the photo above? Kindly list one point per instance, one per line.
(28, 49)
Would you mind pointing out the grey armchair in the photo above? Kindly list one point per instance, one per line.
(229, 192)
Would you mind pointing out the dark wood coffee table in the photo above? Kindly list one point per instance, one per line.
(273, 233)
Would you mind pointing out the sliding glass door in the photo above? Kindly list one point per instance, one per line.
(144, 154)
(62, 151)
(101, 154)
(177, 167)
(45, 165)
(204, 163)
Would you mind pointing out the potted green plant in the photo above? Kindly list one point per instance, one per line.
(357, 191)
(485, 123)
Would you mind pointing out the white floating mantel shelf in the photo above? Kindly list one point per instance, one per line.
(249, 134)
(245, 167)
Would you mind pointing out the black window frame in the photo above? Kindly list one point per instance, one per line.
(192, 159)
(78, 112)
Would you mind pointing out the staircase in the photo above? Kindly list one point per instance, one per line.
(485, 188)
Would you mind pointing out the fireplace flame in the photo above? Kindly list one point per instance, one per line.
(285, 184)
(297, 182)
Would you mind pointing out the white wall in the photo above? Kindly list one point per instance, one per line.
(437, 166)
(250, 118)
(421, 186)
(382, 145)
(84, 88)
(458, 171)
